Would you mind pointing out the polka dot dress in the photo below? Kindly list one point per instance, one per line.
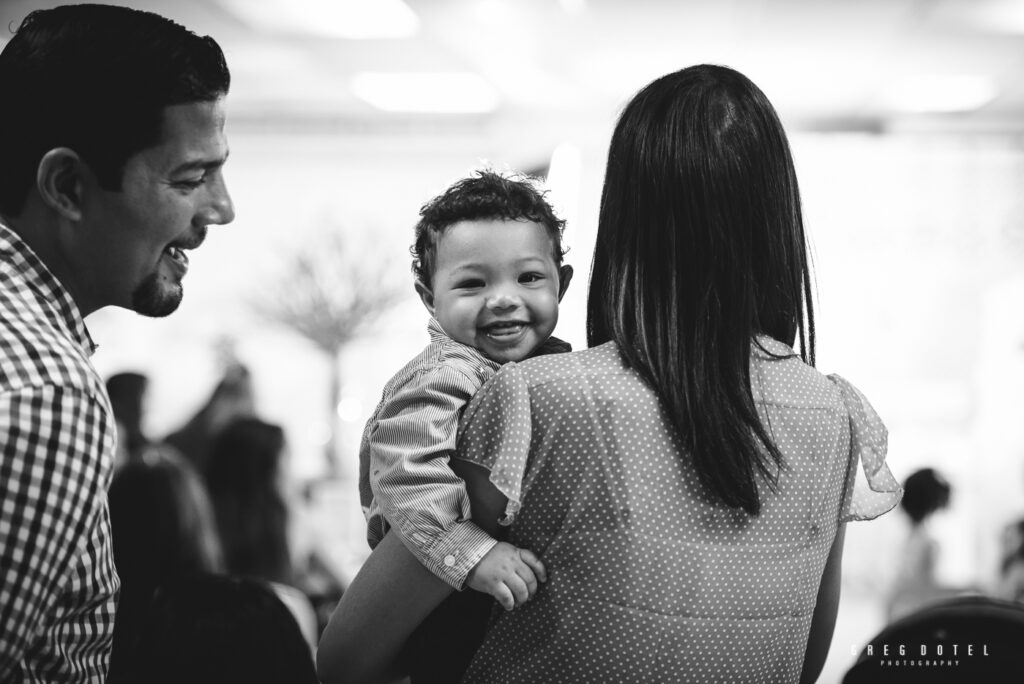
(649, 581)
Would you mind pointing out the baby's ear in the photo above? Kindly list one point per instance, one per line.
(564, 276)
(426, 295)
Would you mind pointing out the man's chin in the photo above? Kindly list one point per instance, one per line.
(156, 299)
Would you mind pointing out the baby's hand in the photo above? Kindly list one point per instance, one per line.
(509, 574)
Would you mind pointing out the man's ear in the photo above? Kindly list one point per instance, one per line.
(564, 276)
(60, 181)
(426, 295)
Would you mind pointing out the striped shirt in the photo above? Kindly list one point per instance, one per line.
(57, 577)
(404, 478)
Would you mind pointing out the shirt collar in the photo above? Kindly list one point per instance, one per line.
(769, 347)
(437, 333)
(49, 291)
(552, 345)
(439, 336)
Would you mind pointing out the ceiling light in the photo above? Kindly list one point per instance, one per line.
(573, 6)
(941, 93)
(447, 93)
(496, 12)
(352, 19)
(1001, 16)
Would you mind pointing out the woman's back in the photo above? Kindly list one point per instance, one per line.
(648, 577)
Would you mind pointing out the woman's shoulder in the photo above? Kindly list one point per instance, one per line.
(602, 359)
(781, 376)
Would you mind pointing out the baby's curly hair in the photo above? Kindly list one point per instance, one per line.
(485, 195)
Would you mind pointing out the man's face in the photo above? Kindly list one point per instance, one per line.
(170, 193)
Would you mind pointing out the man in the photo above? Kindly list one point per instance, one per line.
(111, 148)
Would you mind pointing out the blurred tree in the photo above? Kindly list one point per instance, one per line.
(330, 288)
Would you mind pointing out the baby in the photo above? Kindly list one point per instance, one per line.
(488, 268)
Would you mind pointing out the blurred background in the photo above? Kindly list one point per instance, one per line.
(907, 123)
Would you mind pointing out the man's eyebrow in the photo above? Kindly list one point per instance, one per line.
(200, 165)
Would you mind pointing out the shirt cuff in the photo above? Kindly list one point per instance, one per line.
(456, 553)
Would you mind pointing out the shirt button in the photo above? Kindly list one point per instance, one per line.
(449, 561)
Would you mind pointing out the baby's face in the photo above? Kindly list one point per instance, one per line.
(496, 286)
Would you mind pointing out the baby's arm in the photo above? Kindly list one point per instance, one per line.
(412, 481)
(507, 573)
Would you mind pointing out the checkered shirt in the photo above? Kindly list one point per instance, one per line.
(57, 577)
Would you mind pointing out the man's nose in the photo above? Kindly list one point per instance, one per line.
(220, 209)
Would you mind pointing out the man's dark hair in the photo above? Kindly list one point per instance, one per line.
(208, 629)
(242, 473)
(486, 195)
(95, 79)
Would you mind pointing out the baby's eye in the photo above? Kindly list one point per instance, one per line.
(469, 284)
(531, 277)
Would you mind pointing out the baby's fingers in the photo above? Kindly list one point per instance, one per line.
(529, 578)
(535, 564)
(503, 595)
(519, 589)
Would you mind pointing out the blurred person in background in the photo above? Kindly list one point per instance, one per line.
(127, 392)
(247, 480)
(925, 493)
(1011, 567)
(232, 398)
(163, 529)
(219, 630)
(128, 401)
(112, 139)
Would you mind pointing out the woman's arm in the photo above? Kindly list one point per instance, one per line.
(823, 622)
(392, 594)
(387, 600)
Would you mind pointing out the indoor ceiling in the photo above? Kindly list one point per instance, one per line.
(827, 64)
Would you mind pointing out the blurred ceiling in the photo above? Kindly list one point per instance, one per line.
(826, 64)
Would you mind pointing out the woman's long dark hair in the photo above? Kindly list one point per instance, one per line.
(700, 248)
(243, 475)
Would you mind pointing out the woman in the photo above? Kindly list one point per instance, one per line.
(916, 584)
(245, 474)
(163, 530)
(686, 479)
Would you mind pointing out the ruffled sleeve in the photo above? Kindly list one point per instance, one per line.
(496, 431)
(871, 489)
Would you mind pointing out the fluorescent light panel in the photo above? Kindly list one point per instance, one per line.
(351, 19)
(442, 93)
(573, 6)
(1001, 16)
